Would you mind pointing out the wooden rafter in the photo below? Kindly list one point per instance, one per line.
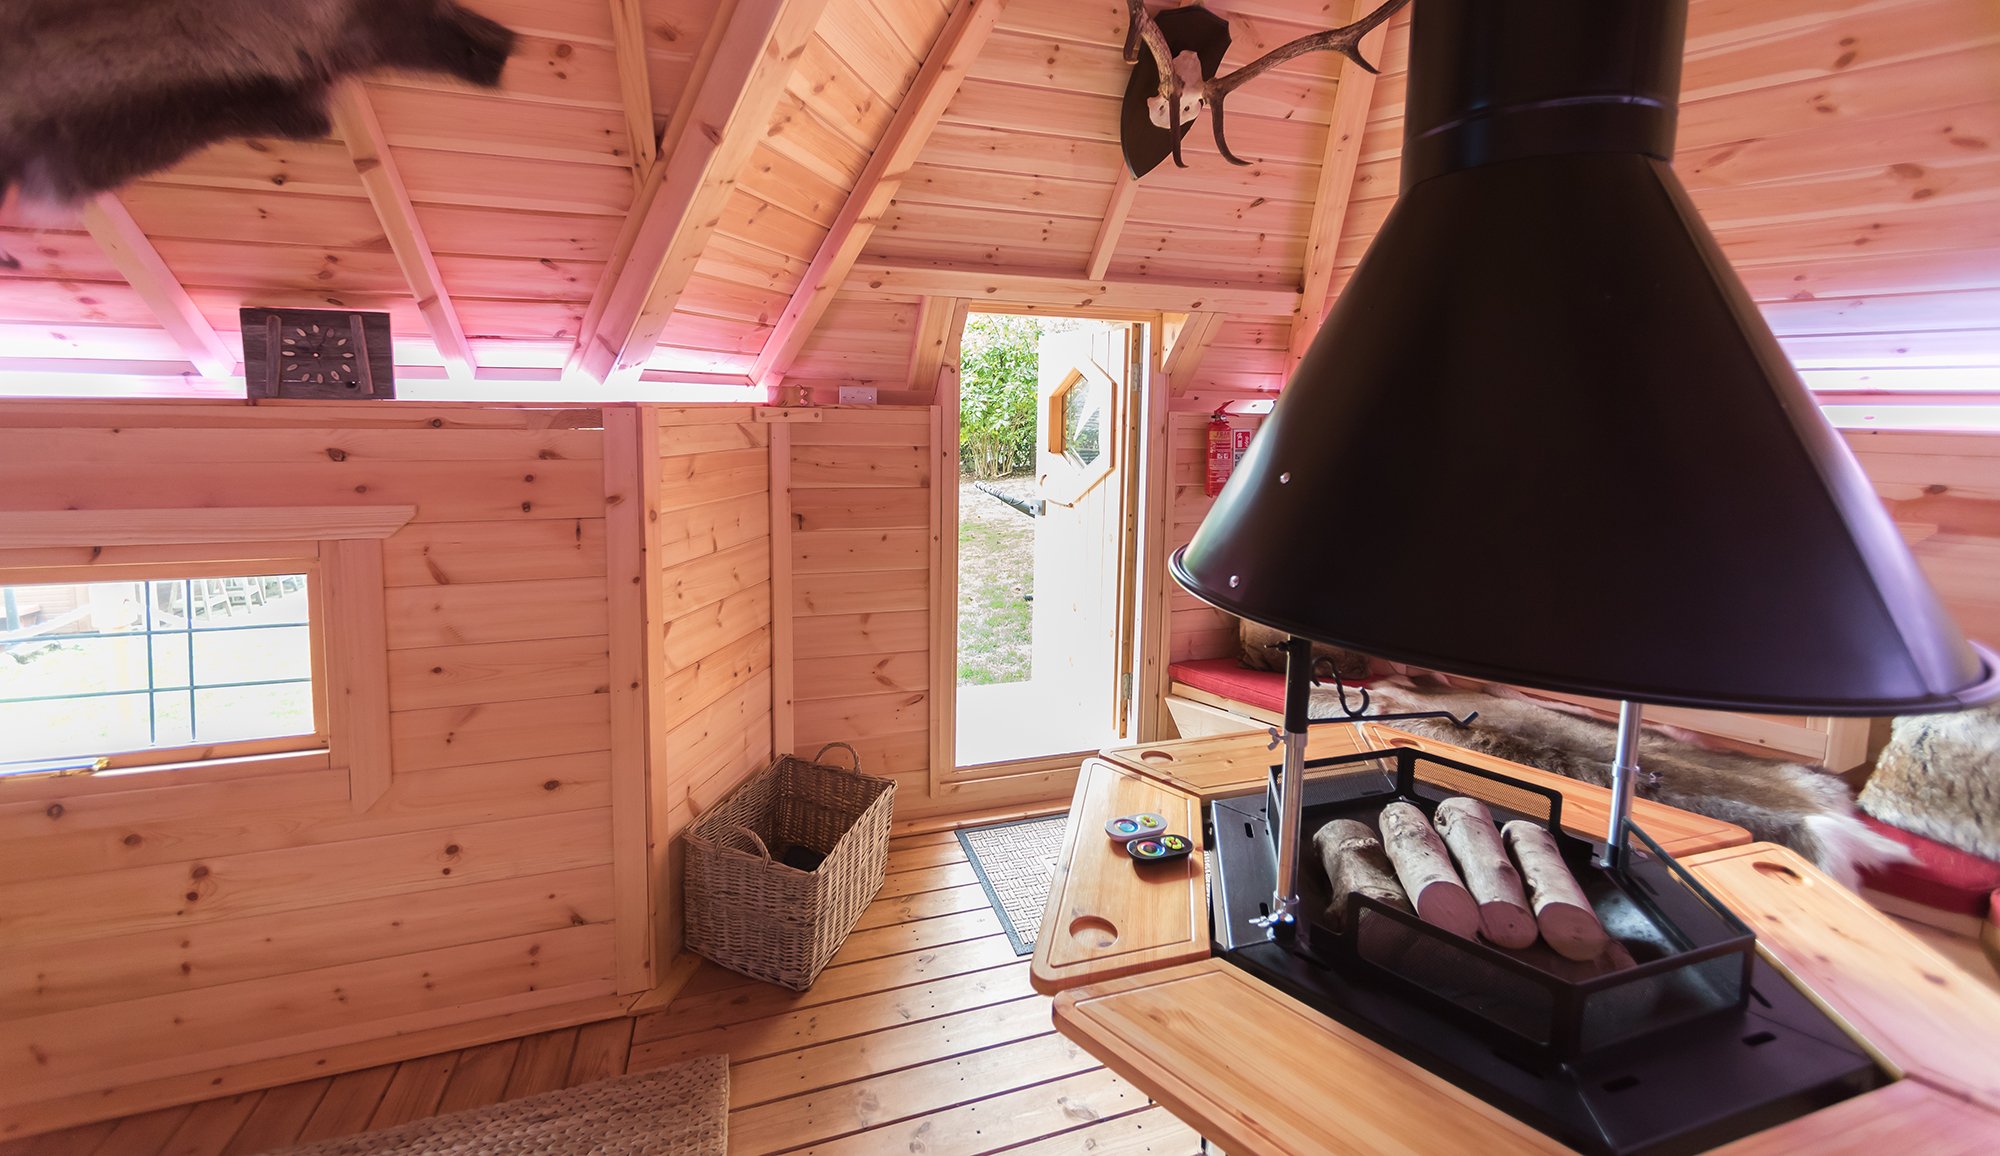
(940, 325)
(944, 69)
(354, 119)
(676, 212)
(1352, 100)
(126, 245)
(1040, 288)
(1190, 346)
(1113, 226)
(628, 38)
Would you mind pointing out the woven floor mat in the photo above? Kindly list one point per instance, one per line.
(681, 1110)
(1015, 862)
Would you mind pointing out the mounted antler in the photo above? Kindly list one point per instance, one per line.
(1184, 89)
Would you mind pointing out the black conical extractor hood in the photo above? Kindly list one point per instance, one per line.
(1545, 436)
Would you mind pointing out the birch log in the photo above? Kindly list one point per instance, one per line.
(1424, 869)
(1568, 922)
(1467, 828)
(1354, 862)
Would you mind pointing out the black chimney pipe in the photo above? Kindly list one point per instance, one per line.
(1585, 461)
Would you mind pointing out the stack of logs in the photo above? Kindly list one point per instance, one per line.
(1458, 876)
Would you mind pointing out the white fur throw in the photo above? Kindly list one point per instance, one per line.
(1778, 802)
(1939, 777)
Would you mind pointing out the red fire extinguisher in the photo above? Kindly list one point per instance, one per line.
(1221, 453)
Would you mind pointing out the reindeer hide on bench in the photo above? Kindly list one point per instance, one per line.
(94, 93)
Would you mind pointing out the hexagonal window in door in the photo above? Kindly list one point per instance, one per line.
(1083, 401)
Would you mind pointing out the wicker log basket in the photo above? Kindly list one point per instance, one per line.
(750, 911)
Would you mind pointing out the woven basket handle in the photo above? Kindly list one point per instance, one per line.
(747, 833)
(851, 753)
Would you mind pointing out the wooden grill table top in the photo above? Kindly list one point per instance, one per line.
(1260, 1073)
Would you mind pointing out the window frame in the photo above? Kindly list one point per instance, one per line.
(339, 548)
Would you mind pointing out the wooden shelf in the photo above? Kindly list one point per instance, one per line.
(1108, 915)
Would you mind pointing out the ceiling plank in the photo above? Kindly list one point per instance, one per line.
(1108, 231)
(1336, 185)
(126, 245)
(628, 38)
(354, 119)
(677, 211)
(994, 286)
(944, 69)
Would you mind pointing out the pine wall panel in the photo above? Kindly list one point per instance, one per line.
(152, 926)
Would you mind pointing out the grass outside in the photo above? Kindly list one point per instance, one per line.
(996, 584)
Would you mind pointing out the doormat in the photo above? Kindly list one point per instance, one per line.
(681, 1110)
(1015, 862)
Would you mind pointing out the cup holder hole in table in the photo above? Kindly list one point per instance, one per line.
(1093, 931)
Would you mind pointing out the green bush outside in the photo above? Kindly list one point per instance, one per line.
(996, 395)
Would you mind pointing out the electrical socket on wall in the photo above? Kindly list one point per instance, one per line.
(857, 395)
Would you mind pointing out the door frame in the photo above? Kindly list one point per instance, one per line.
(1148, 509)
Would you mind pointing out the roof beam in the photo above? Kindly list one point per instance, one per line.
(940, 327)
(676, 212)
(1108, 231)
(1197, 332)
(628, 40)
(126, 245)
(354, 119)
(1351, 102)
(1038, 288)
(957, 46)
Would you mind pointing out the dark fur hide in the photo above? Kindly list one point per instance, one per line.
(1778, 802)
(1940, 777)
(94, 93)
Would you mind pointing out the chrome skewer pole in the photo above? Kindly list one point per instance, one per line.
(1624, 784)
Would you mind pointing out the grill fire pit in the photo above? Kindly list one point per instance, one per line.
(1699, 1043)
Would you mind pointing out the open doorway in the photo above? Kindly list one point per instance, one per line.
(1044, 559)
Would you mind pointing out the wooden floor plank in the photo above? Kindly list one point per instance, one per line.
(601, 1051)
(542, 1065)
(857, 1057)
(1148, 1132)
(211, 1125)
(918, 858)
(82, 1140)
(415, 1090)
(916, 936)
(701, 1012)
(772, 1035)
(930, 839)
(278, 1118)
(1061, 1108)
(923, 905)
(836, 1112)
(349, 1104)
(481, 1077)
(146, 1133)
(927, 879)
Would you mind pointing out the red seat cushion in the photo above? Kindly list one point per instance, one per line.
(1226, 678)
(1943, 877)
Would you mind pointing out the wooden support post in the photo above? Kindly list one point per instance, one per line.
(1108, 231)
(631, 497)
(1155, 532)
(964, 35)
(940, 327)
(944, 555)
(1190, 346)
(126, 245)
(676, 213)
(784, 688)
(628, 39)
(1336, 185)
(354, 119)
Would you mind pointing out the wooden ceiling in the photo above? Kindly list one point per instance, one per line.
(769, 190)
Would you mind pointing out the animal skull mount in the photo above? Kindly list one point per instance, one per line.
(1177, 75)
